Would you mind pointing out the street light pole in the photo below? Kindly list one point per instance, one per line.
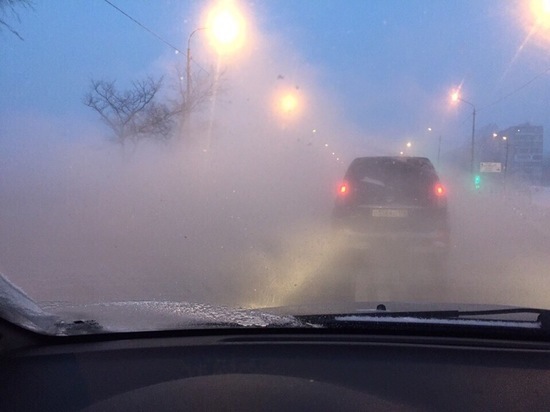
(473, 137)
(456, 96)
(438, 146)
(188, 65)
(473, 133)
(506, 161)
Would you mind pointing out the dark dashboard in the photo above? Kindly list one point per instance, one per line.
(266, 369)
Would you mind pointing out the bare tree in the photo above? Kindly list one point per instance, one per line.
(132, 115)
(9, 7)
(135, 114)
(202, 90)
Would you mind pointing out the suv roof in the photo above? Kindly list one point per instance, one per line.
(413, 162)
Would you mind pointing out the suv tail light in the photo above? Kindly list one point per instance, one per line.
(343, 189)
(439, 190)
(344, 194)
(440, 194)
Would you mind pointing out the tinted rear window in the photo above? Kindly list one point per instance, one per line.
(392, 181)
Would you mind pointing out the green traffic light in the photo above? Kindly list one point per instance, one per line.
(477, 182)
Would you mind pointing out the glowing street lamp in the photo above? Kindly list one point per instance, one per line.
(455, 97)
(535, 15)
(540, 10)
(289, 103)
(225, 26)
(406, 150)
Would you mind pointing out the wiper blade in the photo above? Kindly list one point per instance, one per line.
(485, 317)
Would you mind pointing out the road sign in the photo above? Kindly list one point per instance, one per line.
(490, 167)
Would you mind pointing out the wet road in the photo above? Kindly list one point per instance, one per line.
(500, 255)
(501, 251)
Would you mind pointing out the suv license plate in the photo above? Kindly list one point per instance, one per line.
(390, 213)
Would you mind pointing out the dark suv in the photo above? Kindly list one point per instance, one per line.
(393, 205)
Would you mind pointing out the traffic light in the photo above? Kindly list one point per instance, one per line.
(477, 182)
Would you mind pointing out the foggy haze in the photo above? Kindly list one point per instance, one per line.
(201, 218)
(236, 210)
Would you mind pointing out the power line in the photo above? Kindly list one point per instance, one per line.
(517, 89)
(143, 27)
(153, 33)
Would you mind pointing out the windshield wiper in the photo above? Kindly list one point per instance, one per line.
(485, 317)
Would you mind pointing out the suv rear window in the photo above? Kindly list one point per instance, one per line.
(385, 181)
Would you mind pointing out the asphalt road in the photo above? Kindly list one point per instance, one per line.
(500, 255)
(501, 251)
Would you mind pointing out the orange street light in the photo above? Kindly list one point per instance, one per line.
(540, 10)
(455, 96)
(536, 19)
(289, 103)
(226, 27)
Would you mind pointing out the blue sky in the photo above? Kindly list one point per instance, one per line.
(388, 66)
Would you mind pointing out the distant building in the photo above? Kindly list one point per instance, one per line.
(524, 149)
(520, 155)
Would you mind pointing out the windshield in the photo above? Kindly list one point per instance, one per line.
(198, 153)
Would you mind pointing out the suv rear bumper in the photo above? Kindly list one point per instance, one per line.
(417, 243)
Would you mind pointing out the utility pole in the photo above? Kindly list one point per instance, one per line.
(473, 135)
(188, 65)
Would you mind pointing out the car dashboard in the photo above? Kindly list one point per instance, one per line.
(270, 369)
